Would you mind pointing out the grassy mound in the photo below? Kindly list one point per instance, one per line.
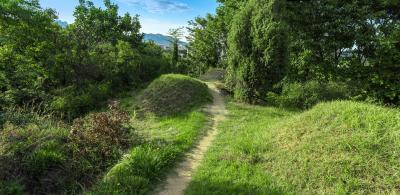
(337, 147)
(172, 94)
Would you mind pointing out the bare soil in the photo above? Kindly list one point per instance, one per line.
(180, 177)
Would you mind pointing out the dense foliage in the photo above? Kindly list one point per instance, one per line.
(55, 81)
(353, 42)
(308, 94)
(48, 73)
(257, 49)
(71, 70)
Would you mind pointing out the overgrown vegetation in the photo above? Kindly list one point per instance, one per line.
(42, 156)
(165, 140)
(57, 137)
(71, 71)
(271, 43)
(146, 165)
(308, 94)
(174, 94)
(36, 151)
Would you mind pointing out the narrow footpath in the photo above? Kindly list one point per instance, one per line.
(180, 177)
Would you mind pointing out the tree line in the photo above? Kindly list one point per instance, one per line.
(268, 44)
(70, 71)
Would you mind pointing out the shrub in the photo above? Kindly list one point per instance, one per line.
(306, 95)
(151, 67)
(100, 138)
(172, 94)
(71, 102)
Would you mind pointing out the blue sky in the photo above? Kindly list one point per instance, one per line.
(156, 16)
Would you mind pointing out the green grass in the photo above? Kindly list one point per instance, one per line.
(338, 147)
(174, 94)
(233, 165)
(165, 140)
(335, 148)
(41, 155)
(32, 152)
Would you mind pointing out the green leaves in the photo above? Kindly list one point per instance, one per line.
(257, 49)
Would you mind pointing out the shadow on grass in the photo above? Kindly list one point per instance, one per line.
(230, 188)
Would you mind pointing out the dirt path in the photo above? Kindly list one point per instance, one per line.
(178, 179)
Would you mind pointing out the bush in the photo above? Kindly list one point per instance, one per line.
(152, 66)
(306, 95)
(71, 102)
(172, 94)
(100, 138)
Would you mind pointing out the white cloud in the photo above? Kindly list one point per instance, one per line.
(159, 6)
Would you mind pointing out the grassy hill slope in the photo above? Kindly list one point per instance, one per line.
(337, 147)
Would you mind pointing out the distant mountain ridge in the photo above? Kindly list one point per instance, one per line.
(159, 39)
(63, 24)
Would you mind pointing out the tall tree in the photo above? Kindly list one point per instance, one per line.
(175, 35)
(258, 54)
(206, 47)
(27, 43)
(94, 28)
(346, 40)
